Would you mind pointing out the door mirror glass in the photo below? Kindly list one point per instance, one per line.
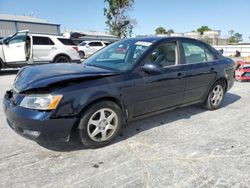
(152, 68)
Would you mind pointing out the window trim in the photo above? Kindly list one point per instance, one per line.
(178, 59)
(49, 39)
(198, 43)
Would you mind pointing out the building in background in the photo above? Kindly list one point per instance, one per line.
(10, 24)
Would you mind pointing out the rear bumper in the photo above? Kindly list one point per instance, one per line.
(37, 125)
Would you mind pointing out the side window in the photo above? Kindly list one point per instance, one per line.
(42, 41)
(92, 44)
(166, 54)
(66, 42)
(18, 38)
(98, 44)
(195, 53)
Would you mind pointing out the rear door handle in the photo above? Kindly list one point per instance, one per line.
(212, 69)
(53, 48)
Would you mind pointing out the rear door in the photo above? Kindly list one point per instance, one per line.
(42, 48)
(162, 90)
(201, 72)
(15, 48)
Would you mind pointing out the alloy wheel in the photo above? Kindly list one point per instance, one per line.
(217, 95)
(102, 125)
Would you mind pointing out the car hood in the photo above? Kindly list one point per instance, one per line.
(41, 76)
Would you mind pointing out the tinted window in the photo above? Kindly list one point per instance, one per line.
(95, 44)
(197, 53)
(66, 42)
(18, 38)
(165, 54)
(106, 43)
(42, 41)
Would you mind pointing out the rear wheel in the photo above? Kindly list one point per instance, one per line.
(82, 54)
(100, 124)
(61, 59)
(215, 96)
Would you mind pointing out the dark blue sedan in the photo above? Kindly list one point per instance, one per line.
(127, 80)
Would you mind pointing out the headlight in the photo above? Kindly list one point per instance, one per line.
(41, 102)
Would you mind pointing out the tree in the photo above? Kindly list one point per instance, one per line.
(118, 22)
(202, 29)
(236, 38)
(160, 30)
(170, 31)
(231, 32)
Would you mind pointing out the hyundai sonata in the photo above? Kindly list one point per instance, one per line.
(130, 79)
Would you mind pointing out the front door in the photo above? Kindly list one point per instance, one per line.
(162, 90)
(15, 48)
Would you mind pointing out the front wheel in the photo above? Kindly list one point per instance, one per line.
(100, 124)
(82, 54)
(215, 96)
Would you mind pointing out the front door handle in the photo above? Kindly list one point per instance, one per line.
(212, 69)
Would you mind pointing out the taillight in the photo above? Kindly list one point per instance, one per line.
(75, 48)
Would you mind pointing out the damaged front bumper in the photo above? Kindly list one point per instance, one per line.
(36, 125)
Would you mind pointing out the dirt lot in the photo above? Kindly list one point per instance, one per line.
(188, 147)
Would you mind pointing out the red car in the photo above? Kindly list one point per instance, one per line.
(242, 72)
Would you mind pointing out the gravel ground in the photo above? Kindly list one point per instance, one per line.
(187, 147)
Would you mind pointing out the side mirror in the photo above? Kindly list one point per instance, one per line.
(6, 42)
(152, 68)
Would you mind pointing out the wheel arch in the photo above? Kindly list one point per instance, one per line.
(111, 99)
(224, 80)
(61, 54)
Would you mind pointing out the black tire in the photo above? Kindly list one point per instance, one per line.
(213, 100)
(1, 64)
(61, 59)
(86, 128)
(82, 54)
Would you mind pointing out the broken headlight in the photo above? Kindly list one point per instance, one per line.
(41, 102)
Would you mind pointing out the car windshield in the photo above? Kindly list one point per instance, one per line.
(119, 56)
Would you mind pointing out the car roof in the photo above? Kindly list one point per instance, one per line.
(47, 35)
(88, 41)
(159, 38)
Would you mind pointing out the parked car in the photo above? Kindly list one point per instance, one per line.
(242, 72)
(24, 48)
(113, 87)
(87, 48)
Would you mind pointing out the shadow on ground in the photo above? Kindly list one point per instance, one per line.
(138, 126)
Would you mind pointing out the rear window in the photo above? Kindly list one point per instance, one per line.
(42, 41)
(107, 43)
(66, 42)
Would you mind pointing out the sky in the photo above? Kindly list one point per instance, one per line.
(179, 15)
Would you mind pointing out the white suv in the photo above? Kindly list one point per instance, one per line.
(24, 48)
(87, 48)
